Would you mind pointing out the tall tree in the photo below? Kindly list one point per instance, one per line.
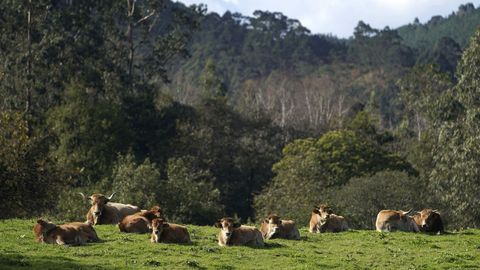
(456, 175)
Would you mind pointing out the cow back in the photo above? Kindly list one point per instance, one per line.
(175, 233)
(246, 236)
(289, 230)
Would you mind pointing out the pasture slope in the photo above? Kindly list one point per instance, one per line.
(351, 250)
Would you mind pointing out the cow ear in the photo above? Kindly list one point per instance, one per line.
(316, 211)
(40, 221)
(217, 224)
(265, 220)
(236, 225)
(165, 225)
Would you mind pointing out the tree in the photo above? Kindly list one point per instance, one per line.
(188, 195)
(456, 175)
(311, 169)
(27, 176)
(90, 132)
(135, 183)
(363, 197)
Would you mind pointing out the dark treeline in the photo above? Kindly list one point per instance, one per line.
(210, 115)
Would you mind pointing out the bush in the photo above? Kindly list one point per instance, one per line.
(188, 195)
(136, 184)
(362, 198)
(29, 181)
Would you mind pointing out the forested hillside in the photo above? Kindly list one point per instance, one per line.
(210, 115)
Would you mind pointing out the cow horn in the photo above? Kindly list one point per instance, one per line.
(409, 212)
(111, 196)
(435, 211)
(83, 195)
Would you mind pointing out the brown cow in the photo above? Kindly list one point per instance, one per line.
(234, 234)
(140, 222)
(323, 220)
(393, 220)
(163, 232)
(273, 227)
(75, 233)
(105, 212)
(429, 220)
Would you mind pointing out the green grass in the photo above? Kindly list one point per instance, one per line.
(351, 250)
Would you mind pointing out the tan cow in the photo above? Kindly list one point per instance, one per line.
(75, 233)
(163, 232)
(103, 211)
(234, 234)
(393, 220)
(429, 220)
(140, 222)
(273, 227)
(323, 220)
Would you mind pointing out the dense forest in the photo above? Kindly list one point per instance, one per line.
(209, 115)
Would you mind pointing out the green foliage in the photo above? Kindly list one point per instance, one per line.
(456, 153)
(188, 195)
(27, 176)
(349, 250)
(459, 26)
(90, 132)
(134, 183)
(362, 198)
(311, 170)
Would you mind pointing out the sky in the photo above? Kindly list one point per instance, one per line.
(339, 17)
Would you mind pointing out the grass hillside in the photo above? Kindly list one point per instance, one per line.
(351, 250)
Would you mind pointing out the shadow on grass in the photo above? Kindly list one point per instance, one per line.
(17, 261)
(272, 245)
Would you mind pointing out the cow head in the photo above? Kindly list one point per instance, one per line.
(154, 212)
(428, 218)
(98, 202)
(323, 211)
(158, 225)
(227, 226)
(273, 223)
(42, 228)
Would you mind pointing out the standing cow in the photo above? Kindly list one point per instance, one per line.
(323, 220)
(234, 234)
(140, 222)
(103, 211)
(429, 220)
(273, 227)
(75, 233)
(393, 220)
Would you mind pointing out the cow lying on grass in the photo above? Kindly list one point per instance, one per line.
(75, 233)
(103, 211)
(323, 220)
(140, 222)
(394, 220)
(234, 234)
(429, 221)
(273, 227)
(163, 232)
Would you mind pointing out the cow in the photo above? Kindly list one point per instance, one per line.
(393, 220)
(103, 211)
(75, 233)
(429, 220)
(323, 220)
(140, 222)
(273, 227)
(163, 232)
(234, 234)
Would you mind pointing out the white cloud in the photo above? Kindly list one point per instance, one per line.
(340, 17)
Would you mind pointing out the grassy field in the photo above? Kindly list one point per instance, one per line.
(351, 250)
